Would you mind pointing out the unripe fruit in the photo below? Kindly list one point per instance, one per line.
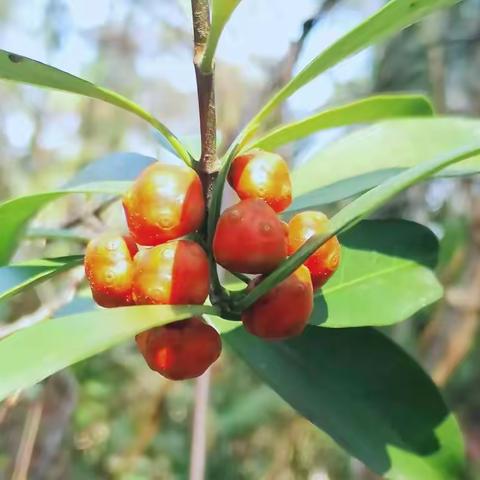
(182, 349)
(109, 269)
(174, 273)
(261, 174)
(283, 311)
(324, 261)
(164, 203)
(250, 238)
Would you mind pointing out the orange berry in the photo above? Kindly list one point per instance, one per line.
(182, 350)
(174, 273)
(164, 203)
(283, 311)
(109, 269)
(324, 261)
(250, 238)
(261, 174)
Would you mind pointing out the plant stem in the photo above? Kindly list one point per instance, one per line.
(207, 169)
(208, 165)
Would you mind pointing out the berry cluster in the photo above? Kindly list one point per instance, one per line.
(166, 203)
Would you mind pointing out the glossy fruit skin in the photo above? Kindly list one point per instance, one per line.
(261, 174)
(284, 311)
(174, 273)
(181, 350)
(109, 269)
(164, 203)
(250, 238)
(323, 262)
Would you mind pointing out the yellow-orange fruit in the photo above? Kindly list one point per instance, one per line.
(174, 273)
(109, 269)
(324, 261)
(164, 203)
(283, 311)
(250, 238)
(261, 174)
(182, 349)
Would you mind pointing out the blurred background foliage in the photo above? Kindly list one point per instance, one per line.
(110, 417)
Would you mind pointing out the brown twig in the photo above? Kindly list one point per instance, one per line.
(207, 168)
(27, 441)
(209, 165)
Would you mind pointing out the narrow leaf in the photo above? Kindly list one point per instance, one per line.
(393, 17)
(17, 277)
(32, 354)
(366, 157)
(221, 13)
(366, 393)
(25, 70)
(362, 111)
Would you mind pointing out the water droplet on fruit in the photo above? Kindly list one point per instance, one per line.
(235, 215)
(109, 276)
(165, 221)
(112, 245)
(168, 253)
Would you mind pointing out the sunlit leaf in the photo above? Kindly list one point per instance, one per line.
(385, 276)
(367, 157)
(25, 70)
(393, 17)
(32, 354)
(17, 277)
(361, 111)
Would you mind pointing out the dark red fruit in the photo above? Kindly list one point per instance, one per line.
(284, 311)
(250, 238)
(182, 349)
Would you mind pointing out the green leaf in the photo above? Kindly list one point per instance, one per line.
(17, 277)
(394, 16)
(356, 211)
(385, 276)
(25, 70)
(32, 354)
(366, 393)
(221, 12)
(16, 213)
(361, 111)
(366, 157)
(55, 234)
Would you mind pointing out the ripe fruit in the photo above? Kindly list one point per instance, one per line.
(324, 261)
(109, 269)
(164, 203)
(182, 349)
(174, 273)
(261, 174)
(284, 311)
(250, 238)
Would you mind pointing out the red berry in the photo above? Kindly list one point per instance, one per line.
(261, 174)
(109, 269)
(283, 311)
(182, 349)
(174, 273)
(250, 238)
(164, 203)
(324, 261)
